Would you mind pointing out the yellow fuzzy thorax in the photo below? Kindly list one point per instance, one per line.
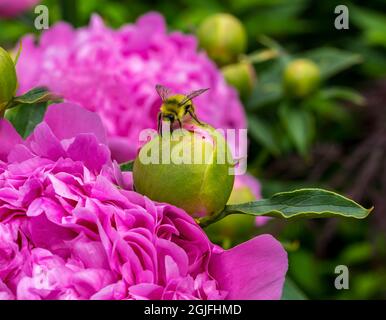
(171, 106)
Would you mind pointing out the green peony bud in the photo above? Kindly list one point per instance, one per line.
(189, 169)
(8, 79)
(223, 37)
(242, 76)
(301, 77)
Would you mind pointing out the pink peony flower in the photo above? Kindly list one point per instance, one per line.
(11, 8)
(114, 72)
(72, 228)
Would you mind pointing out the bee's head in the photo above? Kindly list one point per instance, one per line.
(169, 116)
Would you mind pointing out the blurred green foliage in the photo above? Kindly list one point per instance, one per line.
(279, 126)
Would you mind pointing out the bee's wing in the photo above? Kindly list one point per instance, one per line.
(192, 95)
(162, 91)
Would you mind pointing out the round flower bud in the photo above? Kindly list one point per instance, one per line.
(191, 169)
(223, 37)
(242, 76)
(301, 77)
(8, 79)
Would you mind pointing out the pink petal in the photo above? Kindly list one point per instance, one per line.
(146, 291)
(47, 234)
(91, 253)
(67, 120)
(20, 153)
(152, 22)
(89, 281)
(58, 35)
(5, 292)
(115, 291)
(45, 144)
(253, 270)
(260, 221)
(8, 138)
(121, 149)
(86, 148)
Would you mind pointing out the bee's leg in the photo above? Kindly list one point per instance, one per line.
(179, 123)
(194, 117)
(159, 125)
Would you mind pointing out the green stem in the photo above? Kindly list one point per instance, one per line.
(4, 107)
(69, 11)
(206, 221)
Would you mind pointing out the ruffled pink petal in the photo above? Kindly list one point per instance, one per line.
(5, 292)
(45, 144)
(254, 270)
(67, 120)
(146, 291)
(115, 291)
(86, 148)
(89, 281)
(8, 138)
(121, 149)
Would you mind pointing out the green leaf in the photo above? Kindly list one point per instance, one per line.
(342, 93)
(127, 166)
(36, 95)
(307, 203)
(366, 285)
(332, 61)
(269, 87)
(305, 270)
(299, 125)
(25, 117)
(372, 23)
(291, 291)
(271, 16)
(357, 253)
(302, 203)
(327, 109)
(263, 133)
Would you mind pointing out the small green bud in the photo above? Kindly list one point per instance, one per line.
(189, 169)
(242, 76)
(8, 79)
(223, 37)
(301, 77)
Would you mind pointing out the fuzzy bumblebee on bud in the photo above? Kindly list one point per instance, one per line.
(8, 79)
(189, 166)
(301, 78)
(223, 37)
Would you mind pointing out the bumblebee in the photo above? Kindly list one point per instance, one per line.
(177, 107)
